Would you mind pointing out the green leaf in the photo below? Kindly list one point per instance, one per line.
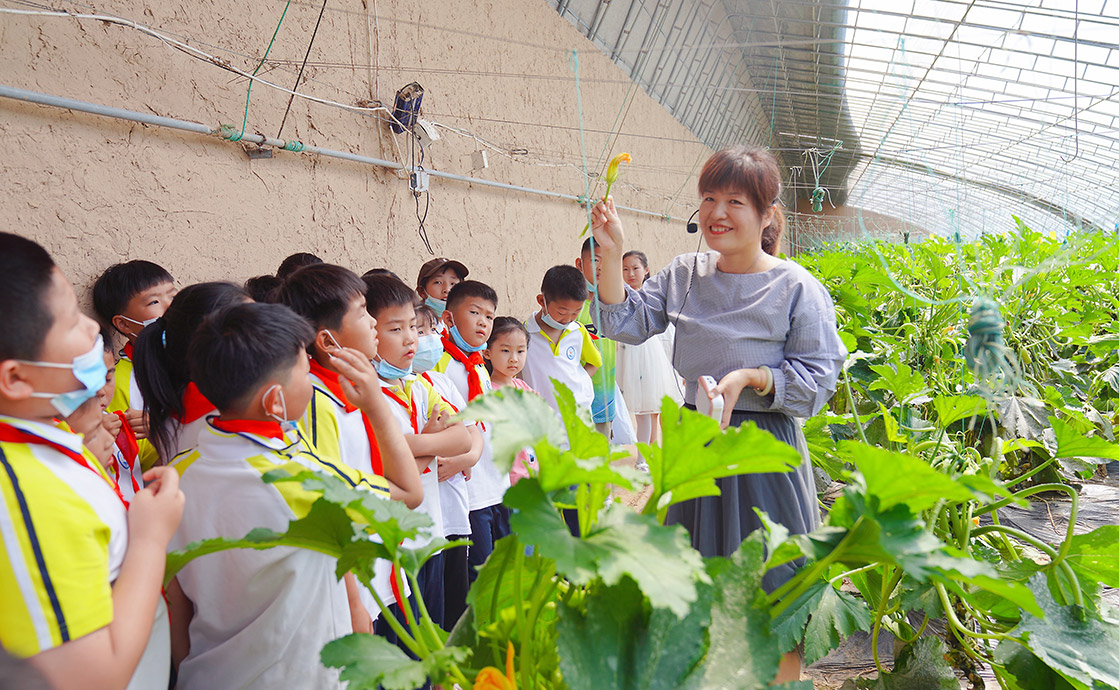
(899, 379)
(953, 408)
(369, 662)
(919, 666)
(1073, 444)
(561, 469)
(519, 420)
(788, 626)
(1026, 670)
(660, 559)
(837, 615)
(1095, 556)
(895, 478)
(743, 653)
(1073, 641)
(694, 452)
(611, 642)
(892, 430)
(495, 587)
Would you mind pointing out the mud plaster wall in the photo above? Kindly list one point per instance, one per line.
(96, 191)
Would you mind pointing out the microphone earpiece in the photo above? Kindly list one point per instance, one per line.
(693, 228)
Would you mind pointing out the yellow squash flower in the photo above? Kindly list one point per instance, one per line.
(612, 169)
(490, 678)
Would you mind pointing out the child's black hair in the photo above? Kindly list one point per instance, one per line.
(428, 313)
(380, 272)
(383, 292)
(237, 349)
(121, 282)
(506, 324)
(26, 317)
(564, 282)
(586, 248)
(295, 262)
(321, 294)
(263, 288)
(159, 357)
(471, 288)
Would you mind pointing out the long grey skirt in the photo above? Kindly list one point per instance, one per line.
(718, 524)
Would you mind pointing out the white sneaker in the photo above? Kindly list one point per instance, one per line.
(642, 466)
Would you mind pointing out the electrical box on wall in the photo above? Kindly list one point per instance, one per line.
(417, 182)
(479, 160)
(425, 133)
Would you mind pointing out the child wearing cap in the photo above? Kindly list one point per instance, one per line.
(435, 281)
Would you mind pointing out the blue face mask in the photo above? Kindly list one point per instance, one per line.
(428, 352)
(88, 368)
(456, 336)
(592, 289)
(548, 320)
(438, 305)
(390, 373)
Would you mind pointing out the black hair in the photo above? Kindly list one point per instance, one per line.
(320, 293)
(384, 292)
(640, 257)
(428, 313)
(236, 349)
(159, 357)
(295, 262)
(121, 282)
(471, 288)
(26, 317)
(506, 324)
(380, 272)
(586, 246)
(564, 282)
(262, 288)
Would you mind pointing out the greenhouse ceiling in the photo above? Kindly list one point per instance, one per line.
(952, 114)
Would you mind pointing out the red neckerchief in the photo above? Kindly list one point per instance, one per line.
(129, 448)
(195, 405)
(408, 404)
(330, 380)
(471, 362)
(126, 351)
(11, 434)
(256, 427)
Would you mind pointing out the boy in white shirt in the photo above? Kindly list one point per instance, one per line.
(424, 416)
(246, 618)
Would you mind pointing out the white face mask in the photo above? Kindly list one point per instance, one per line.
(141, 324)
(548, 320)
(282, 418)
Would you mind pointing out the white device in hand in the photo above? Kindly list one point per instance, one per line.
(704, 403)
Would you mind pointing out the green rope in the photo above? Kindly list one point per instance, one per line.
(249, 95)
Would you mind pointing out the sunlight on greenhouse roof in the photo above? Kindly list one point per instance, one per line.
(949, 115)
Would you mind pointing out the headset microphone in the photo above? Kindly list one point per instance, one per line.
(693, 228)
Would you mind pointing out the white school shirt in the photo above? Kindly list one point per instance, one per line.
(487, 484)
(260, 617)
(354, 451)
(423, 397)
(453, 494)
(561, 360)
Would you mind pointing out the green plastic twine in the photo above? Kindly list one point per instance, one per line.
(249, 95)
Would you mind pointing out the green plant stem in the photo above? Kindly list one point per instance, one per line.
(528, 671)
(920, 630)
(426, 626)
(856, 571)
(946, 604)
(1055, 559)
(1034, 471)
(422, 651)
(787, 593)
(854, 408)
(881, 612)
(397, 628)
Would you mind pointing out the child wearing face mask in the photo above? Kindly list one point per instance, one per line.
(435, 281)
(454, 471)
(505, 358)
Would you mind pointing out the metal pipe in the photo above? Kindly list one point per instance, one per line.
(187, 126)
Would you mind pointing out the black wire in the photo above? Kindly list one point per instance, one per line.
(301, 68)
(676, 323)
(427, 195)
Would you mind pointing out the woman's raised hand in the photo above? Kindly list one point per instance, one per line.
(607, 228)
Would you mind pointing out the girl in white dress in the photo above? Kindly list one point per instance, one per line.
(644, 373)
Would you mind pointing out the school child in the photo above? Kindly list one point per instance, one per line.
(332, 299)
(644, 375)
(608, 411)
(471, 307)
(454, 471)
(245, 618)
(128, 297)
(505, 358)
(435, 281)
(175, 408)
(262, 288)
(295, 262)
(80, 572)
(112, 434)
(559, 346)
(424, 416)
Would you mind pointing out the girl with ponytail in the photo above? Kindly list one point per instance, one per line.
(175, 408)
